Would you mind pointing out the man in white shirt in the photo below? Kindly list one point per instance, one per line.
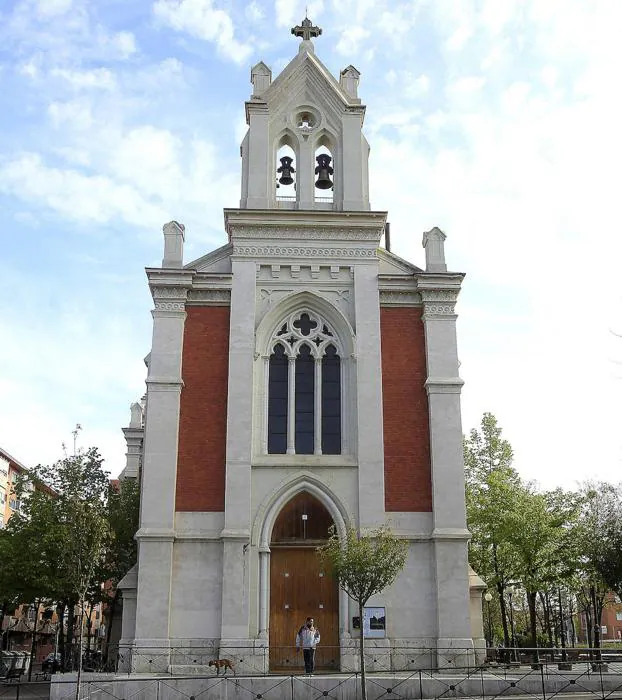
(307, 639)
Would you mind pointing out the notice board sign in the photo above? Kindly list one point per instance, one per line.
(374, 623)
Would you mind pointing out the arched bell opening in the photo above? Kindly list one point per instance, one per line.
(285, 172)
(324, 173)
(301, 586)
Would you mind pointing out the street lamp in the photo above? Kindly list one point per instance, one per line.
(488, 598)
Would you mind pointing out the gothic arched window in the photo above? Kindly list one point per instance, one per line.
(304, 388)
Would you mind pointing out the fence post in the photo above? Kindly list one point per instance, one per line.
(420, 686)
(543, 681)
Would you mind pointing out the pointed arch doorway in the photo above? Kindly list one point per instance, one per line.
(300, 587)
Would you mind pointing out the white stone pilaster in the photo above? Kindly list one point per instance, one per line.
(369, 397)
(259, 158)
(236, 533)
(352, 168)
(264, 592)
(305, 187)
(157, 516)
(450, 535)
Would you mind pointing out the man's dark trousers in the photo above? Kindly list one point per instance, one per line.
(309, 657)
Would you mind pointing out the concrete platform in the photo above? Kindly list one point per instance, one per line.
(418, 685)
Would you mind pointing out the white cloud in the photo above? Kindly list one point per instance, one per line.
(415, 87)
(75, 195)
(285, 11)
(122, 43)
(254, 12)
(52, 8)
(98, 78)
(74, 114)
(201, 19)
(459, 38)
(350, 39)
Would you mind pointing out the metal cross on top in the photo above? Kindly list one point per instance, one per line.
(306, 30)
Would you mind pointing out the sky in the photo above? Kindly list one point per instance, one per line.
(496, 120)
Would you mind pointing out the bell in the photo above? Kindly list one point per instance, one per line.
(286, 170)
(323, 172)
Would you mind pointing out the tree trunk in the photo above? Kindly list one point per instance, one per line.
(110, 617)
(362, 654)
(504, 616)
(533, 622)
(5, 604)
(79, 676)
(597, 610)
(33, 643)
(562, 630)
(60, 614)
(71, 621)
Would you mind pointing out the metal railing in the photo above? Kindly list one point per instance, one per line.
(391, 676)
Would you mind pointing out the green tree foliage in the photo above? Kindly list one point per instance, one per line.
(492, 487)
(73, 532)
(364, 566)
(598, 535)
(540, 539)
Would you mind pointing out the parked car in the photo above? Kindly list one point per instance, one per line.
(51, 663)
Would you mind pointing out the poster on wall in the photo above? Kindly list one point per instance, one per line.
(374, 623)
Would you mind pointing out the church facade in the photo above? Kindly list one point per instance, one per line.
(300, 377)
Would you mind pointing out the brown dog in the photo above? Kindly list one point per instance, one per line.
(222, 663)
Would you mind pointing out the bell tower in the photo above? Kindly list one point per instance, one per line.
(304, 148)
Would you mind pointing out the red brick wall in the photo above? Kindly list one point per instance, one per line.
(203, 410)
(407, 478)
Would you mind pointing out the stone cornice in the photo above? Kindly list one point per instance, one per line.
(436, 280)
(175, 277)
(155, 534)
(302, 225)
(444, 385)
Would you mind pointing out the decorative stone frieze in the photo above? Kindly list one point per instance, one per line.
(209, 297)
(399, 297)
(439, 302)
(169, 298)
(298, 251)
(169, 292)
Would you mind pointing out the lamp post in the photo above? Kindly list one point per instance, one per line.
(488, 598)
(510, 590)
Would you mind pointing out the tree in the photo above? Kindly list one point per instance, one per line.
(64, 521)
(539, 538)
(492, 485)
(364, 566)
(599, 536)
(123, 517)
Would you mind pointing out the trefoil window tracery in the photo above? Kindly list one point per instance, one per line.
(304, 387)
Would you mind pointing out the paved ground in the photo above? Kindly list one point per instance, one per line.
(25, 691)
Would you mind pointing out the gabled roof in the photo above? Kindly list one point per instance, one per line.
(218, 260)
(303, 61)
(391, 264)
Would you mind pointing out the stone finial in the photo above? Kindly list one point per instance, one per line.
(349, 80)
(261, 78)
(136, 416)
(434, 244)
(174, 235)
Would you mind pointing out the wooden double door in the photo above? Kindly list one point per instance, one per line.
(301, 588)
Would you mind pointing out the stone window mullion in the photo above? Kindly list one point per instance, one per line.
(291, 412)
(317, 443)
